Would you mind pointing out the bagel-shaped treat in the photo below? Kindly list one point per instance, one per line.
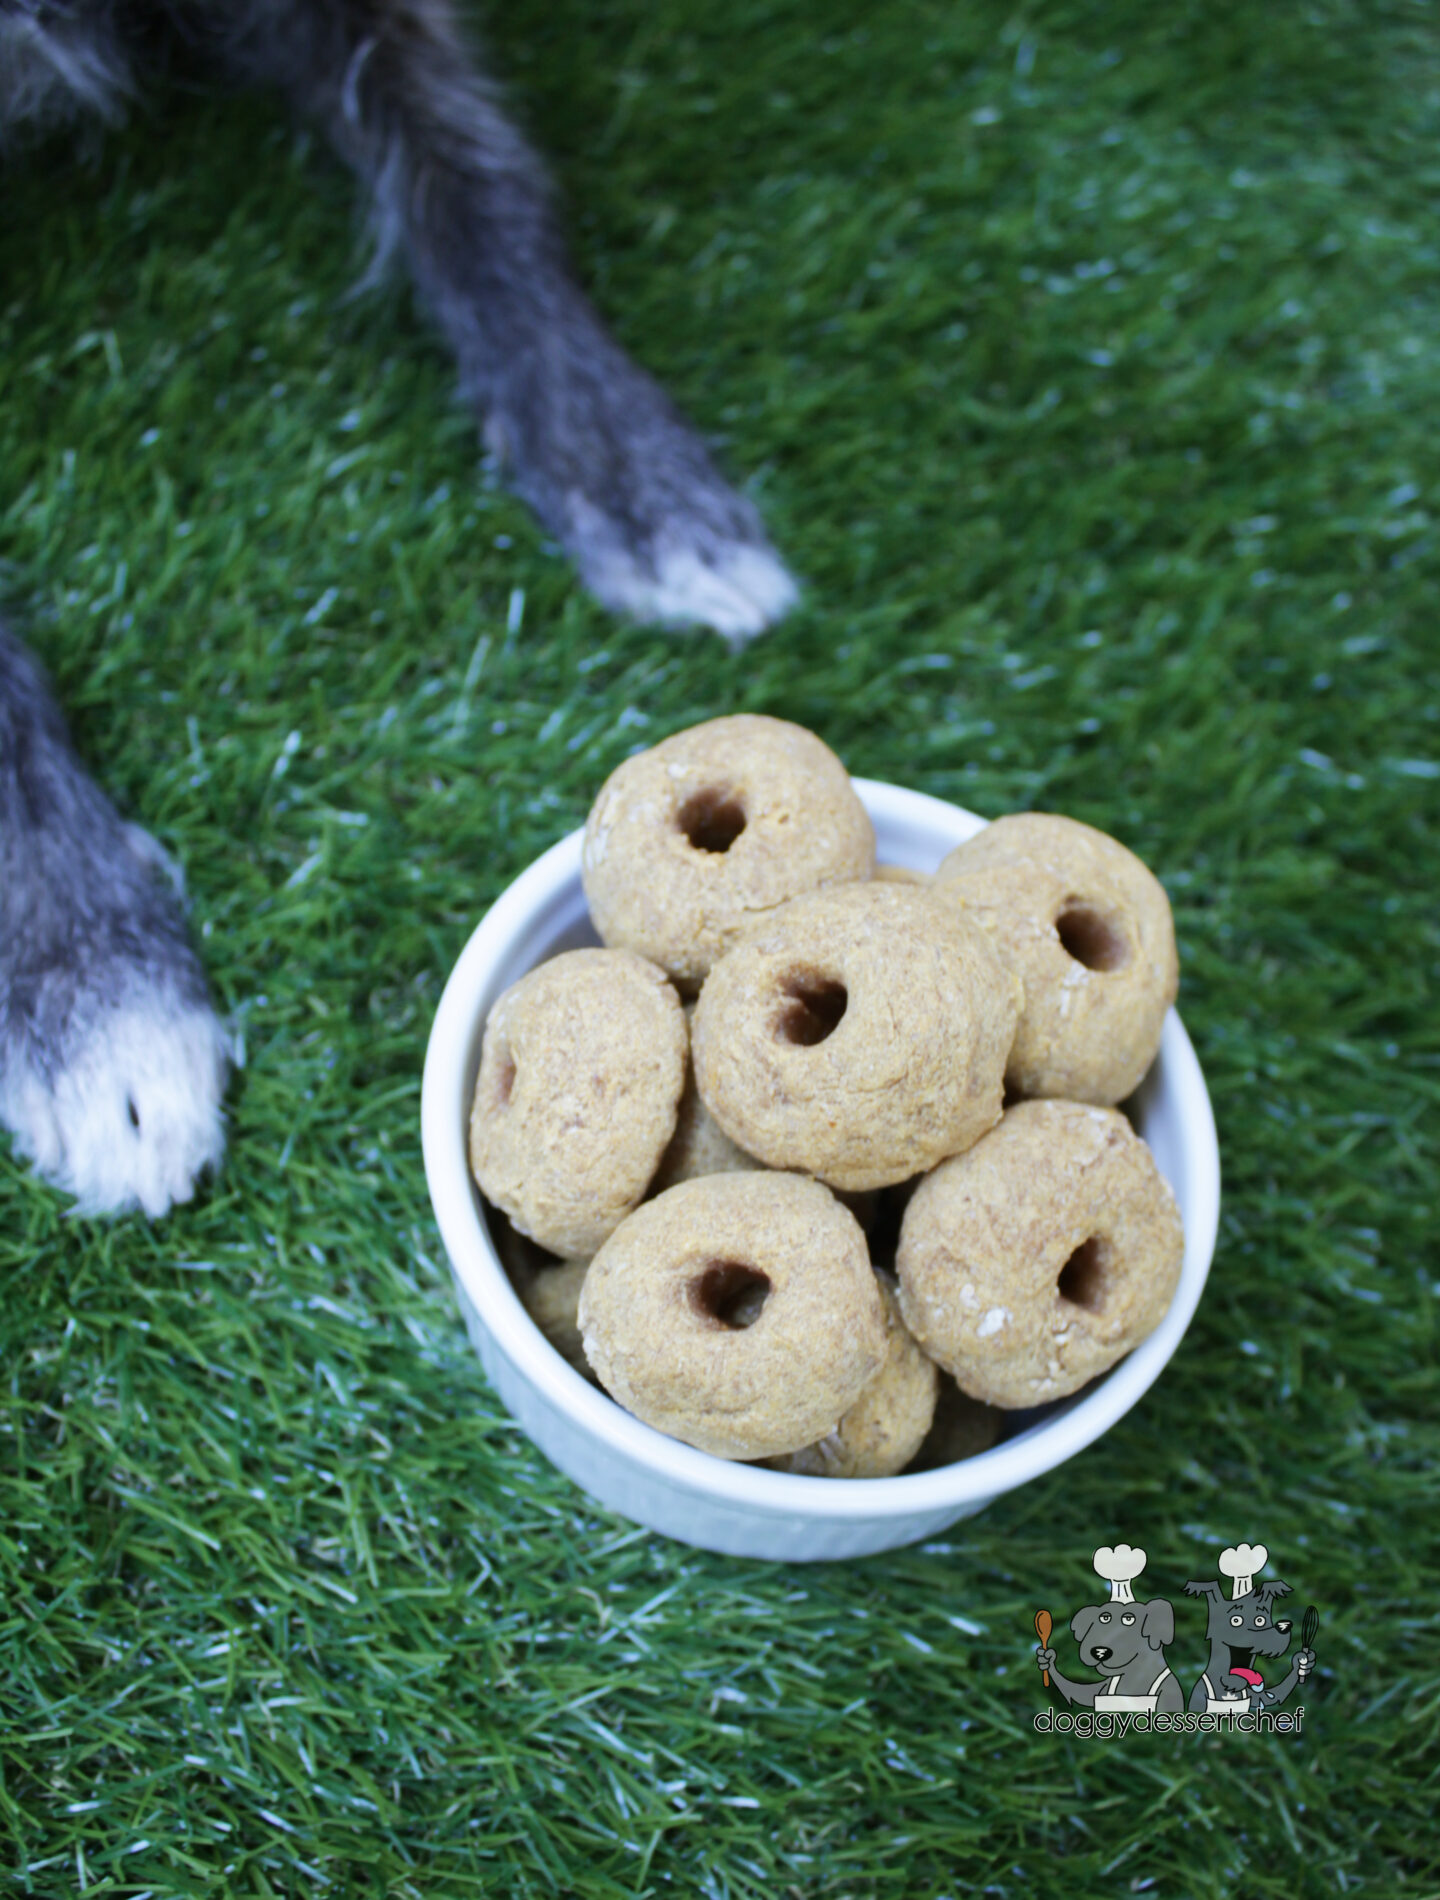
(961, 1428)
(581, 1070)
(699, 1145)
(1087, 929)
(859, 1035)
(548, 1288)
(886, 1425)
(691, 842)
(738, 1313)
(1034, 1262)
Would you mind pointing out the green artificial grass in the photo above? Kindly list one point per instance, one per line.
(1084, 361)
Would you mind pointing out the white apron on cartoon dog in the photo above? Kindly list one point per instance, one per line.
(1223, 1704)
(1108, 1698)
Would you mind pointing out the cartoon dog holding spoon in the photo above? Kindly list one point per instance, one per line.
(1124, 1640)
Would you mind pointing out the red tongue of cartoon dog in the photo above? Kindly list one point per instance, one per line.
(1252, 1676)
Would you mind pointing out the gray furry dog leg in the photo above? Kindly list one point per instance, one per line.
(59, 61)
(112, 1062)
(592, 442)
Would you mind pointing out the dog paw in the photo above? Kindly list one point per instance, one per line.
(129, 1115)
(112, 1061)
(614, 470)
(739, 588)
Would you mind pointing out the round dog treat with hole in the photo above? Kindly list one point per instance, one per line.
(1034, 1262)
(551, 1296)
(885, 1426)
(962, 1428)
(1087, 928)
(699, 1145)
(581, 1070)
(689, 843)
(738, 1313)
(548, 1288)
(860, 1035)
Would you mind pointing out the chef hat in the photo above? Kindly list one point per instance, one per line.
(1119, 1565)
(1240, 1563)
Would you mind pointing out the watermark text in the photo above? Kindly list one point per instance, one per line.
(1112, 1725)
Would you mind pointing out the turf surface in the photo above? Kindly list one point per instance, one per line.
(1084, 360)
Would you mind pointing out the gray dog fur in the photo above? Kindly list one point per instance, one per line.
(112, 1063)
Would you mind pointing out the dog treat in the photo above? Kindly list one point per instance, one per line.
(664, 1309)
(864, 1206)
(1088, 930)
(884, 1428)
(548, 1289)
(1042, 1256)
(709, 1174)
(699, 1145)
(689, 843)
(581, 1071)
(962, 1428)
(859, 1035)
(552, 1299)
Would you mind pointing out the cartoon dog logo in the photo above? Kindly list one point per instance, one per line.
(1242, 1629)
(1123, 1639)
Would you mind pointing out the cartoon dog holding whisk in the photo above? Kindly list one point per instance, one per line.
(1241, 1630)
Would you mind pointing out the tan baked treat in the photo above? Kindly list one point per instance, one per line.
(581, 1070)
(902, 874)
(699, 1145)
(1035, 1261)
(548, 1288)
(691, 842)
(865, 1207)
(883, 1429)
(552, 1299)
(660, 1305)
(1087, 928)
(860, 1035)
(962, 1428)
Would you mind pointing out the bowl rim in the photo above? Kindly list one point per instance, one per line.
(1040, 1447)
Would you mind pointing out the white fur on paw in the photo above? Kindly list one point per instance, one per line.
(135, 1116)
(739, 592)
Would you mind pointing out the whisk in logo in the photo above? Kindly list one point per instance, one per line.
(1125, 1641)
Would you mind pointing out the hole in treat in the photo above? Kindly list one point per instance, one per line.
(813, 1009)
(132, 1111)
(1083, 1276)
(504, 1082)
(730, 1293)
(1092, 939)
(712, 820)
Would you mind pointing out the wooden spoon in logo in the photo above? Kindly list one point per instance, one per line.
(1043, 1627)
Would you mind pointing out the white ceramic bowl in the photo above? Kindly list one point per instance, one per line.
(656, 1480)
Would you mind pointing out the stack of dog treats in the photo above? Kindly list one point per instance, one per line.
(819, 1164)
